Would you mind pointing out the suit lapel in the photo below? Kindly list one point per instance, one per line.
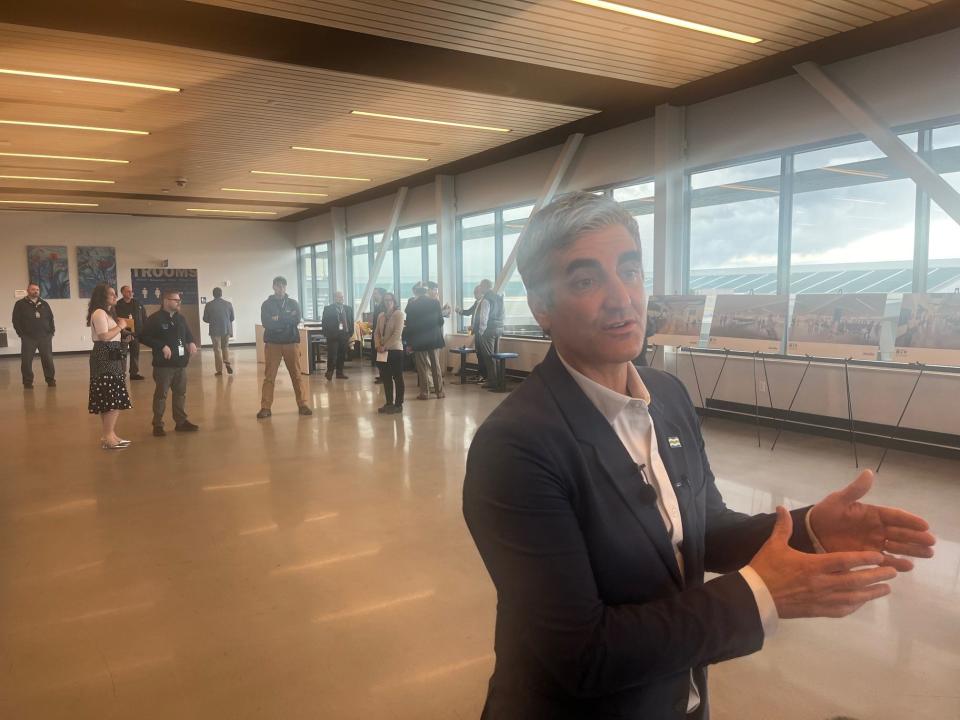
(591, 428)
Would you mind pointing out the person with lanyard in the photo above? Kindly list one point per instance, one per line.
(130, 309)
(280, 316)
(338, 329)
(108, 391)
(33, 323)
(166, 332)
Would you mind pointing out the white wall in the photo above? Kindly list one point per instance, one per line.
(248, 253)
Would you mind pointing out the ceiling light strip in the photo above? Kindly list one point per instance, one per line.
(57, 179)
(320, 177)
(73, 127)
(427, 121)
(275, 192)
(79, 78)
(667, 20)
(48, 202)
(360, 154)
(62, 157)
(232, 212)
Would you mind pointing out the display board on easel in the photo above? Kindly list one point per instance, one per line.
(675, 320)
(749, 323)
(837, 325)
(929, 329)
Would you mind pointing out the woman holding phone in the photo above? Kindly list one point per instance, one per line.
(108, 388)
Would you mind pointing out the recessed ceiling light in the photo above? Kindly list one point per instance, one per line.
(361, 154)
(62, 157)
(58, 179)
(430, 122)
(73, 127)
(667, 20)
(274, 192)
(78, 78)
(48, 202)
(321, 177)
(232, 212)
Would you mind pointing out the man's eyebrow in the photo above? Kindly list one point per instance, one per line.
(582, 263)
(631, 256)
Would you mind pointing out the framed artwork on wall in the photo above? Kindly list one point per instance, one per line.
(96, 264)
(48, 267)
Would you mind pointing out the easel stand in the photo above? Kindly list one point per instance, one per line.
(792, 401)
(900, 419)
(853, 435)
(713, 392)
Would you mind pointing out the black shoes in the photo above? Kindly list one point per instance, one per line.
(229, 369)
(136, 376)
(263, 414)
(395, 410)
(186, 426)
(304, 410)
(329, 376)
(28, 386)
(158, 431)
(341, 376)
(51, 383)
(384, 409)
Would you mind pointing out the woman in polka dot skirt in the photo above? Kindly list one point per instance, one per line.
(108, 388)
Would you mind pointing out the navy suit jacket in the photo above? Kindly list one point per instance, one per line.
(593, 617)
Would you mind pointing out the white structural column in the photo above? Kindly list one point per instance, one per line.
(338, 218)
(445, 205)
(557, 173)
(388, 232)
(669, 152)
(864, 119)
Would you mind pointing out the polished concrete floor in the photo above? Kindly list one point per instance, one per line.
(320, 568)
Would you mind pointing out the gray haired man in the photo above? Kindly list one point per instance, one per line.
(219, 314)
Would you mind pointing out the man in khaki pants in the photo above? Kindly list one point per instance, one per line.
(280, 315)
(218, 313)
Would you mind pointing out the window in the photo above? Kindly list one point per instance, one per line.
(409, 259)
(432, 271)
(943, 274)
(359, 261)
(313, 267)
(638, 199)
(478, 253)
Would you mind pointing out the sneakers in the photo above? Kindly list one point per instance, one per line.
(187, 426)
(158, 431)
(229, 368)
(263, 414)
(136, 377)
(304, 410)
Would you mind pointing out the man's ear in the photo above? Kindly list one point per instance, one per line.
(540, 309)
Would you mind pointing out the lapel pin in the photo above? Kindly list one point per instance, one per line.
(674, 442)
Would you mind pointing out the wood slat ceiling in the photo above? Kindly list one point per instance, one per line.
(567, 35)
(234, 115)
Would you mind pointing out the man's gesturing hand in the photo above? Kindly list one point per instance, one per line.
(827, 585)
(841, 522)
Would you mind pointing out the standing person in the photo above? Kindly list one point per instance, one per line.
(130, 309)
(473, 312)
(108, 391)
(33, 323)
(424, 331)
(388, 338)
(218, 313)
(338, 329)
(433, 290)
(280, 315)
(489, 327)
(590, 497)
(376, 308)
(166, 332)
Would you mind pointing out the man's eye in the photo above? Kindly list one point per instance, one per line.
(583, 284)
(631, 274)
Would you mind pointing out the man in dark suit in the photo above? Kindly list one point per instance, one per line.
(590, 497)
(338, 329)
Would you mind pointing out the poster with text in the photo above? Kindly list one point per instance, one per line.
(96, 265)
(837, 325)
(929, 329)
(149, 283)
(675, 320)
(48, 267)
(750, 323)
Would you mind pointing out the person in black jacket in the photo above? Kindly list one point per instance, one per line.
(33, 323)
(130, 309)
(424, 334)
(166, 332)
(338, 329)
(590, 497)
(280, 316)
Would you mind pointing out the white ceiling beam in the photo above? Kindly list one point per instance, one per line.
(556, 176)
(387, 242)
(867, 121)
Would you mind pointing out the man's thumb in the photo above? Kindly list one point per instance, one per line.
(783, 527)
(858, 488)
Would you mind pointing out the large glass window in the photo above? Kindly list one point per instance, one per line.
(944, 271)
(478, 253)
(313, 268)
(638, 199)
(409, 259)
(359, 261)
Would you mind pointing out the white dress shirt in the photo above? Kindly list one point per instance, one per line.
(629, 416)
